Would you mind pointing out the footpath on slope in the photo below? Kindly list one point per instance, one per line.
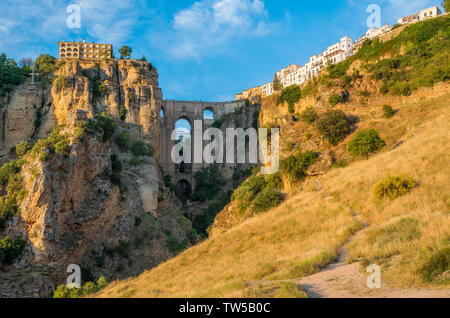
(343, 280)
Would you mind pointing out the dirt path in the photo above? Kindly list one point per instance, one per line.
(342, 280)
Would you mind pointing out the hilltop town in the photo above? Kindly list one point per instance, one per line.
(296, 74)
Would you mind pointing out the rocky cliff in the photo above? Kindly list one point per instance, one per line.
(84, 200)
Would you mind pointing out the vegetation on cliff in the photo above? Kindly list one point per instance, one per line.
(11, 74)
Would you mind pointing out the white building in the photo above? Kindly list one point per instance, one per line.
(287, 75)
(371, 34)
(267, 89)
(428, 13)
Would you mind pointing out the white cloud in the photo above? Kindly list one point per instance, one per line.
(111, 21)
(211, 25)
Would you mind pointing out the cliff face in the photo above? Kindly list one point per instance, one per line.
(116, 86)
(108, 87)
(73, 211)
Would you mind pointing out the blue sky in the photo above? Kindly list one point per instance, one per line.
(206, 49)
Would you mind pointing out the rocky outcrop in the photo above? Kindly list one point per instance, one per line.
(73, 211)
(106, 86)
(21, 116)
(126, 87)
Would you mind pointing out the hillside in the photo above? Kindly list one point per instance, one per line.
(384, 112)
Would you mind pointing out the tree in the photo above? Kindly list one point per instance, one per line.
(446, 5)
(276, 83)
(46, 63)
(334, 126)
(125, 51)
(11, 74)
(26, 62)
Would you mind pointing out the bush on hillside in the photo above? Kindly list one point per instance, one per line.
(140, 148)
(295, 166)
(123, 113)
(339, 70)
(250, 189)
(437, 264)
(10, 249)
(392, 187)
(168, 182)
(365, 142)
(335, 99)
(291, 95)
(388, 111)
(122, 140)
(202, 222)
(22, 149)
(87, 289)
(62, 147)
(102, 123)
(266, 200)
(309, 115)
(12, 189)
(334, 126)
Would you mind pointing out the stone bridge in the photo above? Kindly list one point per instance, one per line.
(172, 111)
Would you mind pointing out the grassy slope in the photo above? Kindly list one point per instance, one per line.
(305, 232)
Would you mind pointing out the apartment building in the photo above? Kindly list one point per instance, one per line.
(83, 50)
(424, 14)
(250, 93)
(371, 34)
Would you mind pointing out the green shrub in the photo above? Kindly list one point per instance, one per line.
(267, 199)
(202, 222)
(295, 166)
(10, 249)
(388, 111)
(341, 163)
(174, 245)
(22, 149)
(115, 178)
(208, 183)
(104, 124)
(365, 142)
(134, 161)
(60, 83)
(309, 115)
(139, 148)
(79, 132)
(335, 99)
(13, 190)
(291, 95)
(334, 126)
(62, 147)
(123, 112)
(87, 289)
(438, 264)
(392, 187)
(100, 88)
(339, 70)
(116, 164)
(122, 140)
(168, 182)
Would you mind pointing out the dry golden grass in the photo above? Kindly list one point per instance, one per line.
(306, 232)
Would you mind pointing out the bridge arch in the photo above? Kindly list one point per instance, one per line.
(183, 190)
(173, 111)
